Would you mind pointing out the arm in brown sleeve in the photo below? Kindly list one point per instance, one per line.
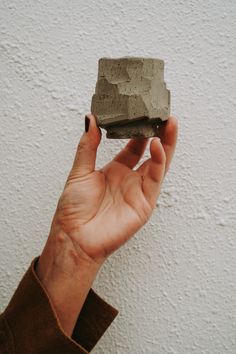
(29, 324)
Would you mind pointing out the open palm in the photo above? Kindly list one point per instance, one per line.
(99, 210)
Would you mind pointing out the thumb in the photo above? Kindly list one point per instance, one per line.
(85, 158)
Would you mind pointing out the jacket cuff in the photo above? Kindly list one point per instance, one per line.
(95, 317)
(36, 329)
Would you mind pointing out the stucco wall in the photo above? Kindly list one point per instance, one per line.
(175, 282)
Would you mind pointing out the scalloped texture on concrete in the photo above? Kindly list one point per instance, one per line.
(128, 90)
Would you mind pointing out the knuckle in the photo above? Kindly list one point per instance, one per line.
(82, 145)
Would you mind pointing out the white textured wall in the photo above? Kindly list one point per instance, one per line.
(175, 282)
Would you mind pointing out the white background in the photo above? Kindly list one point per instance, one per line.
(174, 283)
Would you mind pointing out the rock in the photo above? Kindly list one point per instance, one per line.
(131, 98)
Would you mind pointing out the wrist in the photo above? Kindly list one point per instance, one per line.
(67, 276)
(63, 259)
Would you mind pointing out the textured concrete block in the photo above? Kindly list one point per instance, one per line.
(131, 98)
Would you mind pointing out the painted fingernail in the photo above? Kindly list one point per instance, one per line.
(87, 122)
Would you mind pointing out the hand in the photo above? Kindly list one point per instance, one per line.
(99, 210)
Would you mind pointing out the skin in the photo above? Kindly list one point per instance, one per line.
(98, 211)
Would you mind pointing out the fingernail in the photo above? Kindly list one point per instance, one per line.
(87, 122)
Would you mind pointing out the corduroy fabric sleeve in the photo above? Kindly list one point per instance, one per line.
(29, 324)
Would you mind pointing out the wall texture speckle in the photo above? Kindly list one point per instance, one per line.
(175, 281)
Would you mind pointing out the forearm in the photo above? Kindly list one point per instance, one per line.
(67, 276)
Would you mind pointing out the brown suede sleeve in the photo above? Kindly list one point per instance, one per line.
(29, 324)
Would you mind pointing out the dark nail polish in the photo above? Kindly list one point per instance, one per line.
(87, 122)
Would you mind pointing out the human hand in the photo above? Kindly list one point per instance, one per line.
(99, 210)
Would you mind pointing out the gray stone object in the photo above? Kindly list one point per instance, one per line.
(131, 99)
